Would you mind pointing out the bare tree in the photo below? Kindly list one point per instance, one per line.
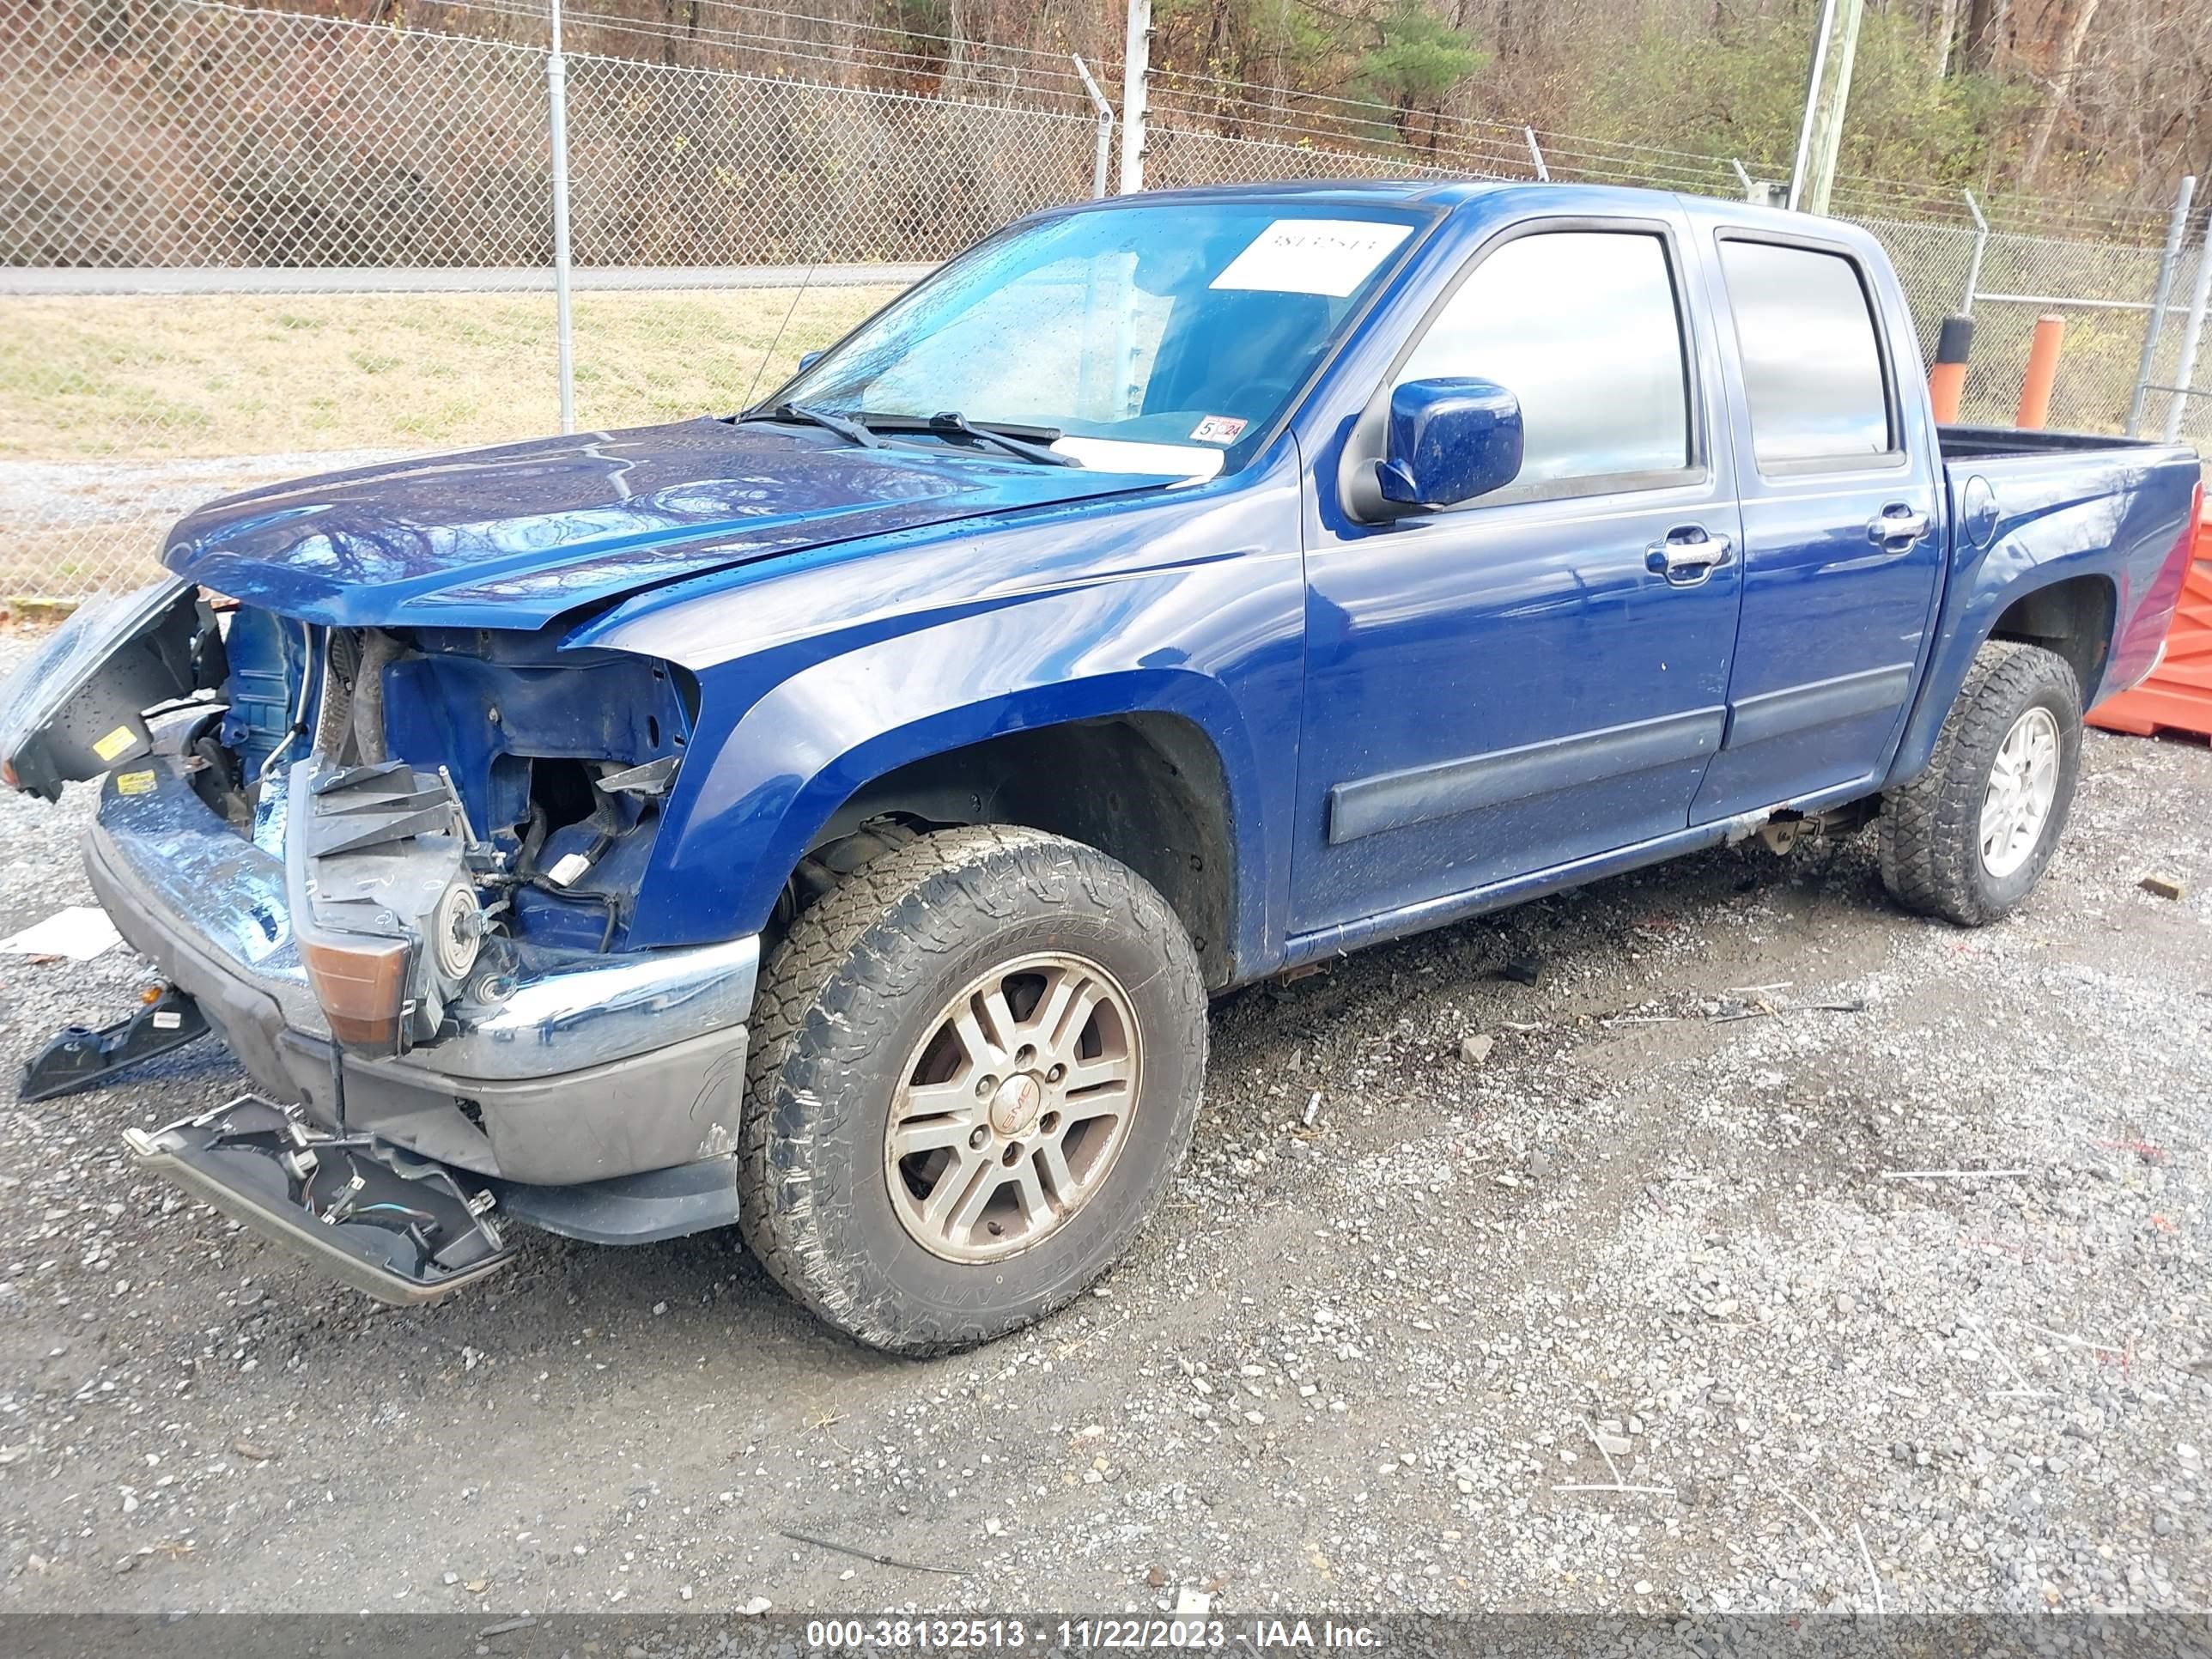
(2061, 89)
(1946, 35)
(1986, 21)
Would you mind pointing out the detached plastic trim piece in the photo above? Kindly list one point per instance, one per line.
(84, 1058)
(633, 1209)
(250, 1171)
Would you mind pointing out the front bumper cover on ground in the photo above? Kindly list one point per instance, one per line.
(402, 1229)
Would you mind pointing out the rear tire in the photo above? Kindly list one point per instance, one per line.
(1968, 839)
(977, 1064)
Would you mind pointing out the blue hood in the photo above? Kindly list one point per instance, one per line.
(513, 537)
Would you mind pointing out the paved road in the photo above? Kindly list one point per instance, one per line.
(26, 279)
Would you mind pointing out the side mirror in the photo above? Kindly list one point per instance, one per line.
(1449, 440)
(808, 359)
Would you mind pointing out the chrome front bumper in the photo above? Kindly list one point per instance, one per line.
(601, 1067)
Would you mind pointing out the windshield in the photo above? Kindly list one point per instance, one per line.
(1147, 338)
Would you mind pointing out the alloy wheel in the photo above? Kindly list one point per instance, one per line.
(1014, 1106)
(2023, 783)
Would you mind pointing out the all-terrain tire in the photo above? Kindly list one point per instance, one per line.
(1930, 829)
(863, 978)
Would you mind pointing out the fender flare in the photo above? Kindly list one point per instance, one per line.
(813, 739)
(1989, 596)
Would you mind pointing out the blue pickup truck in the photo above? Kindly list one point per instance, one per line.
(832, 819)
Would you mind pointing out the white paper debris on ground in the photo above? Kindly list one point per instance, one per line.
(80, 933)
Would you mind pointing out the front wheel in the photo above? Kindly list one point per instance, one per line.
(1969, 837)
(978, 1063)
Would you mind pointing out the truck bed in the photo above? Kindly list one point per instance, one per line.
(1988, 442)
(2098, 518)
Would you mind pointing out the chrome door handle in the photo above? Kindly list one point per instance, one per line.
(1685, 562)
(1899, 527)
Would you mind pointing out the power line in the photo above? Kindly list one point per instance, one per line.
(862, 56)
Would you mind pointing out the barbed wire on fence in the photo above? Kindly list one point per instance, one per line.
(410, 172)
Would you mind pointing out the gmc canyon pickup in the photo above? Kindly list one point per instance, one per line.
(831, 819)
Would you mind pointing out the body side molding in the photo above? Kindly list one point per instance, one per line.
(1819, 702)
(1393, 801)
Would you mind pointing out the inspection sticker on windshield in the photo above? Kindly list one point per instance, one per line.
(1312, 256)
(1219, 430)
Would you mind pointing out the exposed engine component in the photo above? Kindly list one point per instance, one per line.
(378, 650)
(457, 929)
(390, 871)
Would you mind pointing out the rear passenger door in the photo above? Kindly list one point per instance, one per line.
(1842, 521)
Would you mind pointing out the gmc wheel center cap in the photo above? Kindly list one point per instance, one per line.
(1014, 1108)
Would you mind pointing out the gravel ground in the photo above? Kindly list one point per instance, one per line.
(59, 495)
(1622, 1310)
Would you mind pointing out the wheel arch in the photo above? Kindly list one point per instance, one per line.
(1151, 762)
(2072, 613)
(2072, 617)
(1145, 787)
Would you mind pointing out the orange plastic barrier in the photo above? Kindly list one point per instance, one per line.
(2178, 697)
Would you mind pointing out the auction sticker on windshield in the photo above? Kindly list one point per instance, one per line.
(1312, 256)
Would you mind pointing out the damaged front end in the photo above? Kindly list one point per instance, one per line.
(84, 703)
(395, 872)
(382, 874)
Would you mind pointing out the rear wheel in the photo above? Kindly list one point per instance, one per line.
(1968, 839)
(978, 1062)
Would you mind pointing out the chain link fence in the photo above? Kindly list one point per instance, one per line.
(2103, 291)
(237, 245)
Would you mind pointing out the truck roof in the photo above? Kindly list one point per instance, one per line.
(1455, 194)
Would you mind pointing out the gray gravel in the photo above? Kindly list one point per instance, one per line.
(1406, 1297)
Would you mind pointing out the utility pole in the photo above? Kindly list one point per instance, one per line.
(556, 100)
(1827, 92)
(1136, 71)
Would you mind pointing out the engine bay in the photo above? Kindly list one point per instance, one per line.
(482, 802)
(457, 809)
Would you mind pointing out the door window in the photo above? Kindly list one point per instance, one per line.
(1585, 328)
(1812, 361)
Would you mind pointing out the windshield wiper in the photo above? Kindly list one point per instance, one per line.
(1027, 442)
(850, 430)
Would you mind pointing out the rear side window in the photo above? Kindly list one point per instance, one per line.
(1582, 327)
(1812, 363)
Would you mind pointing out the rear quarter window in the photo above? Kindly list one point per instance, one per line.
(1812, 360)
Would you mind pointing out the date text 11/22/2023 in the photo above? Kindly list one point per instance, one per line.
(1069, 1635)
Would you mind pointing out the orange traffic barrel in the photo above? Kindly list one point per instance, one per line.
(1947, 380)
(2042, 373)
(2178, 697)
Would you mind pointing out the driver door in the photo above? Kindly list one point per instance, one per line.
(1522, 682)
